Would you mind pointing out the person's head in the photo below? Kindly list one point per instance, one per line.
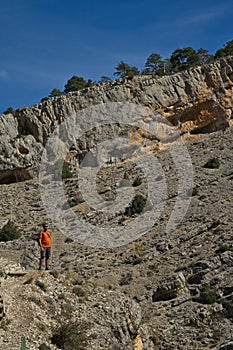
(45, 226)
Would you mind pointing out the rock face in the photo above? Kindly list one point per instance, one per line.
(164, 290)
(200, 99)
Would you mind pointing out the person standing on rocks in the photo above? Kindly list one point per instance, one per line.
(45, 244)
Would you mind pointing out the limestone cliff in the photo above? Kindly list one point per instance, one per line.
(201, 99)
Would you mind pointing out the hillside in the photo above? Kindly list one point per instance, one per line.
(165, 289)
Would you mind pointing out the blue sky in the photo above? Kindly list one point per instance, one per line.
(43, 43)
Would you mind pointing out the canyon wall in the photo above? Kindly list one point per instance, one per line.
(200, 100)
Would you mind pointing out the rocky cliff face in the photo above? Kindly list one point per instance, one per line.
(162, 291)
(201, 99)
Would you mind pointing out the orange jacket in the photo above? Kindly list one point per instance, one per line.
(45, 237)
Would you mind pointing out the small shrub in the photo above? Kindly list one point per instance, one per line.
(72, 335)
(44, 347)
(228, 308)
(54, 273)
(48, 300)
(66, 173)
(9, 232)
(67, 309)
(126, 279)
(159, 178)
(137, 182)
(4, 323)
(194, 191)
(61, 296)
(126, 176)
(125, 181)
(62, 169)
(212, 163)
(9, 110)
(137, 205)
(223, 248)
(41, 285)
(79, 291)
(44, 99)
(207, 295)
(139, 248)
(34, 299)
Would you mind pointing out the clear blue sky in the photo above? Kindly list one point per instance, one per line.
(43, 43)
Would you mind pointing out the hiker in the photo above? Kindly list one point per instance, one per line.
(45, 246)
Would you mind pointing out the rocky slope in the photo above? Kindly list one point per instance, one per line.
(164, 290)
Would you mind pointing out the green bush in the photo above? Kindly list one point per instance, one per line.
(137, 182)
(41, 285)
(72, 335)
(9, 232)
(126, 176)
(44, 347)
(9, 110)
(194, 191)
(137, 205)
(212, 163)
(66, 173)
(223, 248)
(125, 181)
(207, 295)
(79, 291)
(63, 166)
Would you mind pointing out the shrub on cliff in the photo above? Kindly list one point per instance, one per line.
(9, 232)
(9, 111)
(137, 205)
(207, 295)
(72, 335)
(212, 163)
(63, 166)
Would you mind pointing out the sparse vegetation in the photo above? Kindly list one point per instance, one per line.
(126, 279)
(223, 248)
(4, 323)
(139, 248)
(125, 181)
(71, 335)
(228, 308)
(212, 163)
(137, 182)
(9, 232)
(137, 205)
(194, 191)
(62, 168)
(9, 111)
(44, 347)
(207, 295)
(54, 273)
(78, 291)
(41, 285)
